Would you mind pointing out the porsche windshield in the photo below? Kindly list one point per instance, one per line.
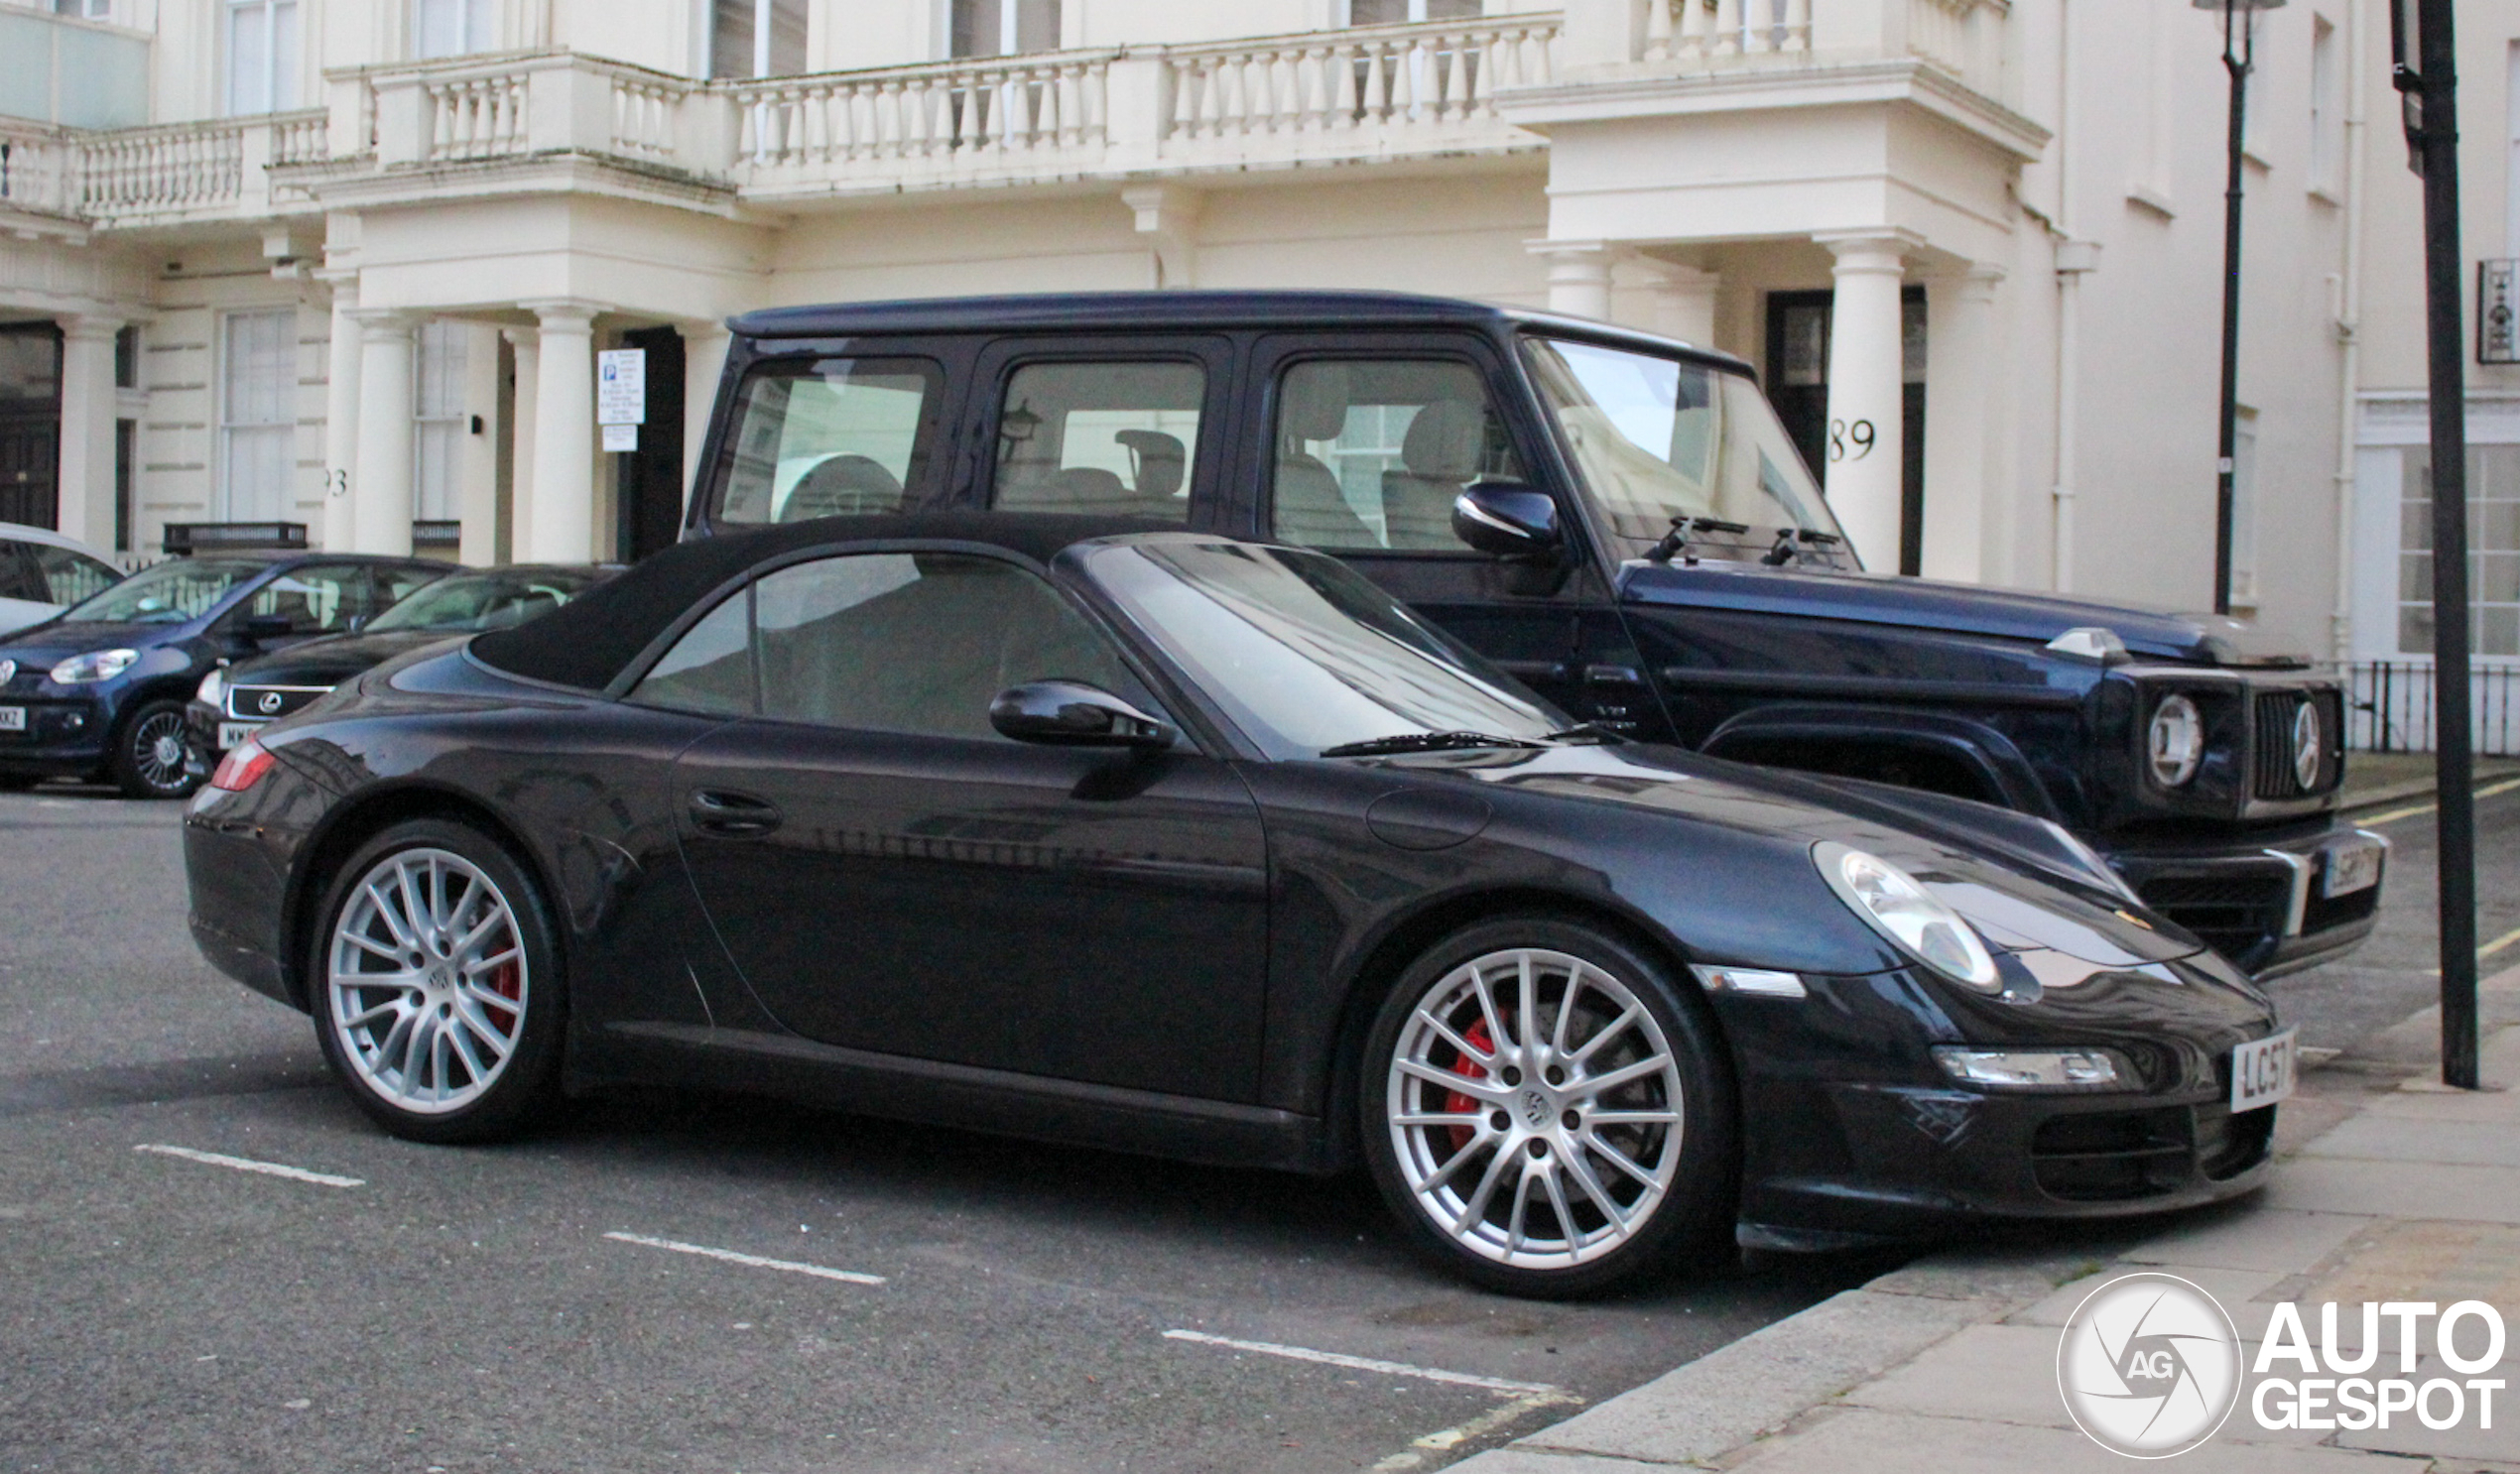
(1304, 655)
(170, 592)
(1659, 438)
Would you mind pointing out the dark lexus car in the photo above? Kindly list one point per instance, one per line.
(98, 690)
(1075, 830)
(1649, 552)
(233, 703)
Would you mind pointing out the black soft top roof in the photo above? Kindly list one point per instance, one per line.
(1070, 311)
(590, 640)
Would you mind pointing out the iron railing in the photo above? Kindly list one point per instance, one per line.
(2389, 708)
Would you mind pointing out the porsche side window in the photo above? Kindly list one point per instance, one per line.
(1112, 438)
(923, 643)
(1370, 454)
(830, 438)
(710, 670)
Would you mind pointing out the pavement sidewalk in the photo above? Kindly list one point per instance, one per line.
(2390, 1187)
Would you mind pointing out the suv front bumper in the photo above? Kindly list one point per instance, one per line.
(2265, 903)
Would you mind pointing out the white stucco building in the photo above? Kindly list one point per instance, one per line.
(346, 262)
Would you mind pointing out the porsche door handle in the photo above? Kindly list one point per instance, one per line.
(731, 815)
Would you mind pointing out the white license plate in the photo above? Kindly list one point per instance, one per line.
(2352, 868)
(2262, 1071)
(233, 734)
(12, 719)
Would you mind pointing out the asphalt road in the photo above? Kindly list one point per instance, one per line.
(436, 1310)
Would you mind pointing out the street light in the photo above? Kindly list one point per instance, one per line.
(2239, 54)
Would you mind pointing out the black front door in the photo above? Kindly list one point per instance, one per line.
(29, 424)
(1371, 438)
(889, 874)
(651, 482)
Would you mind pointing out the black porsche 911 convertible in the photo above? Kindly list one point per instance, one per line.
(1162, 842)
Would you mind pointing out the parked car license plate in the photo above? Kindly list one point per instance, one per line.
(2351, 867)
(231, 734)
(12, 719)
(2262, 1071)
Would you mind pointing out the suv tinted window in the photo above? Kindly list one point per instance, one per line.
(1116, 438)
(1371, 452)
(922, 643)
(828, 438)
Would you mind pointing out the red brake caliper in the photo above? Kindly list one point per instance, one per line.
(508, 981)
(1453, 1100)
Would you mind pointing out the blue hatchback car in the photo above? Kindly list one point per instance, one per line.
(98, 691)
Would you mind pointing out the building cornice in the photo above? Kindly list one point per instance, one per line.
(1618, 96)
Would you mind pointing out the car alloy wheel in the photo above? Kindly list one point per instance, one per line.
(1541, 1106)
(436, 988)
(154, 760)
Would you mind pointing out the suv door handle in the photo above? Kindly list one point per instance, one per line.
(732, 814)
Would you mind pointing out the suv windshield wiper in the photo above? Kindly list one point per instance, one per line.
(1422, 742)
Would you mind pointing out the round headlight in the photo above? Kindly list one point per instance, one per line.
(2177, 741)
(1904, 911)
(96, 665)
(213, 687)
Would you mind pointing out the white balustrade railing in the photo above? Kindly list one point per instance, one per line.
(1016, 105)
(1714, 32)
(1939, 31)
(173, 168)
(300, 138)
(474, 117)
(34, 170)
(1339, 81)
(645, 110)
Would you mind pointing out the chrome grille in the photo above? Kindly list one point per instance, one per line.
(266, 703)
(2275, 752)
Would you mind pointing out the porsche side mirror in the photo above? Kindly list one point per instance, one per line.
(1071, 713)
(1507, 520)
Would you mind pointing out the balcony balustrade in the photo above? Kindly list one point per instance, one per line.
(1360, 94)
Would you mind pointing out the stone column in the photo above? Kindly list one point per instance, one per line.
(86, 465)
(559, 524)
(1579, 277)
(1685, 297)
(1866, 393)
(341, 413)
(704, 359)
(381, 468)
(528, 344)
(1960, 422)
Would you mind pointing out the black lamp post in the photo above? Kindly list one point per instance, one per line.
(2239, 56)
(2422, 55)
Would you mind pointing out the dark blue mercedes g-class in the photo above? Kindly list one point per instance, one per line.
(1618, 518)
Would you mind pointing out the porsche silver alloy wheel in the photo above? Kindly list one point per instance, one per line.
(427, 977)
(1535, 1109)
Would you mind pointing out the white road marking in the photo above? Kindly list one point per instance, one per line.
(1368, 1364)
(249, 1165)
(750, 1261)
(1480, 1426)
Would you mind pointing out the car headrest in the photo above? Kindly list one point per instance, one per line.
(1082, 489)
(1158, 459)
(1315, 407)
(843, 485)
(1444, 440)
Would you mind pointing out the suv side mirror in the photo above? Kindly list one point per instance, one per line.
(1071, 713)
(261, 627)
(1507, 520)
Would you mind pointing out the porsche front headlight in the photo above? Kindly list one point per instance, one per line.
(1901, 909)
(94, 666)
